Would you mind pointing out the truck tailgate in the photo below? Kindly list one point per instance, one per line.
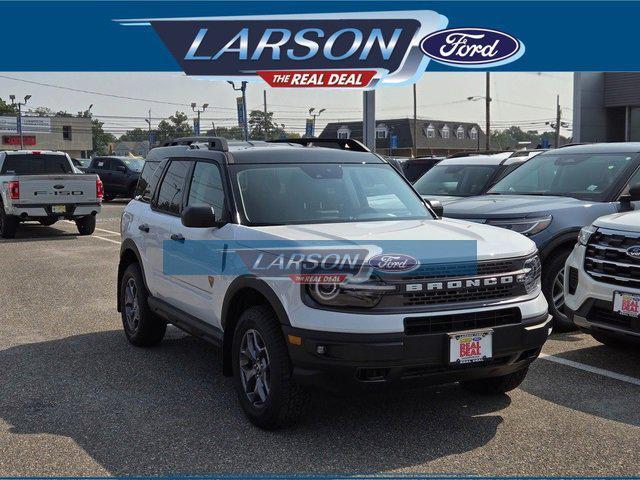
(57, 189)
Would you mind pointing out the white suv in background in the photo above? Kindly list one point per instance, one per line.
(602, 278)
(371, 317)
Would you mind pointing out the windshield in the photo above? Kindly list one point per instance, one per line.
(325, 193)
(134, 164)
(455, 180)
(584, 176)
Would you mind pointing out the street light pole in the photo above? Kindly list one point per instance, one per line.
(487, 107)
(195, 108)
(243, 89)
(314, 116)
(19, 119)
(148, 120)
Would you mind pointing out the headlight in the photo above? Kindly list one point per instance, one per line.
(366, 295)
(525, 226)
(532, 271)
(585, 234)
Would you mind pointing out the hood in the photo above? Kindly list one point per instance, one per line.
(443, 199)
(627, 221)
(491, 242)
(511, 206)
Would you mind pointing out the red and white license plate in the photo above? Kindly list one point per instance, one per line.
(468, 347)
(626, 304)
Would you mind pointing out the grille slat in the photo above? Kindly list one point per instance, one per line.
(606, 258)
(461, 321)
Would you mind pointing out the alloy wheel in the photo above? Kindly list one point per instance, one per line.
(131, 305)
(254, 368)
(557, 292)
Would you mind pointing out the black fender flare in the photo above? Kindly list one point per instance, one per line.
(255, 283)
(128, 245)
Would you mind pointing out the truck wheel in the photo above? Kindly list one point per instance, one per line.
(141, 326)
(553, 289)
(262, 371)
(8, 224)
(614, 342)
(47, 222)
(86, 225)
(497, 385)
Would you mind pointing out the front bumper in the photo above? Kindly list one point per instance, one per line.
(352, 361)
(590, 306)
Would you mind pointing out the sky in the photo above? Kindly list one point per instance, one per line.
(524, 99)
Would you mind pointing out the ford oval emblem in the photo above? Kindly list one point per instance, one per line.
(634, 252)
(58, 187)
(393, 262)
(472, 47)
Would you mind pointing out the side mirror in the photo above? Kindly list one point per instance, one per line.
(199, 216)
(121, 169)
(435, 205)
(632, 196)
(634, 192)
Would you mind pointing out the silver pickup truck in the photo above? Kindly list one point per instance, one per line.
(44, 186)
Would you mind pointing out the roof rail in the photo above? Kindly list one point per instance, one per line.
(215, 143)
(343, 143)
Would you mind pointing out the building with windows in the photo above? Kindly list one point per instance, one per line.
(606, 107)
(68, 134)
(395, 136)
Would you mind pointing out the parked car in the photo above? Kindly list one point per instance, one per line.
(43, 186)
(414, 168)
(370, 330)
(456, 178)
(602, 278)
(551, 197)
(118, 174)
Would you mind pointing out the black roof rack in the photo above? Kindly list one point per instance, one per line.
(343, 143)
(215, 143)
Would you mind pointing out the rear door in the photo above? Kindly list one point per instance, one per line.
(118, 175)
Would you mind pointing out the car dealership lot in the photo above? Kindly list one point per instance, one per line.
(77, 399)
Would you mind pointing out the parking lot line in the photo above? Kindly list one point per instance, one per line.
(589, 368)
(106, 239)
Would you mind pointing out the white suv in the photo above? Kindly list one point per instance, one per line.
(602, 278)
(227, 241)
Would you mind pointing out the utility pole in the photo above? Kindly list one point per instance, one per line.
(264, 95)
(558, 120)
(487, 106)
(415, 123)
(245, 121)
(19, 119)
(213, 127)
(314, 116)
(148, 120)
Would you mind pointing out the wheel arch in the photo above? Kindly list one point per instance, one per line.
(244, 292)
(564, 240)
(129, 254)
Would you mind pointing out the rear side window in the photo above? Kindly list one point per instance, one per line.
(171, 189)
(36, 164)
(147, 181)
(100, 163)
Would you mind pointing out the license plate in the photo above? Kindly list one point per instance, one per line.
(59, 209)
(469, 347)
(626, 304)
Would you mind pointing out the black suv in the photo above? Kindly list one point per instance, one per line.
(119, 175)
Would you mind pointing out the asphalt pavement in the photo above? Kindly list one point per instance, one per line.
(77, 399)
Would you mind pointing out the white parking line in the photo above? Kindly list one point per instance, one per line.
(101, 229)
(105, 239)
(589, 368)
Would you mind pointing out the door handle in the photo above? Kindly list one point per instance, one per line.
(177, 237)
(143, 228)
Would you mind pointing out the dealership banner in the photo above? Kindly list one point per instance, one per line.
(318, 44)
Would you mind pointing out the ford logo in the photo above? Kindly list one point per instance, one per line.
(58, 187)
(472, 47)
(393, 262)
(634, 252)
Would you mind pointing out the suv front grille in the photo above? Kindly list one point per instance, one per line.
(461, 321)
(606, 258)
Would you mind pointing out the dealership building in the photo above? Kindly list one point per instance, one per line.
(606, 107)
(68, 134)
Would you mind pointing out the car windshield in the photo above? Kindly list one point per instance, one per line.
(134, 164)
(585, 176)
(325, 193)
(455, 180)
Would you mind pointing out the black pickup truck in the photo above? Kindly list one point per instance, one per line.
(119, 175)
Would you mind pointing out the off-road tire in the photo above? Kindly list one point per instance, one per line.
(286, 400)
(150, 328)
(552, 265)
(8, 224)
(497, 385)
(86, 225)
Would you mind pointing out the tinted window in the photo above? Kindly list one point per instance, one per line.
(170, 195)
(100, 163)
(455, 180)
(147, 181)
(585, 176)
(135, 164)
(114, 163)
(206, 187)
(34, 164)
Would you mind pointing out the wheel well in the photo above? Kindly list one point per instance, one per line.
(565, 245)
(242, 299)
(128, 257)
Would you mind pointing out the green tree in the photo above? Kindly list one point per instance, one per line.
(509, 138)
(230, 133)
(7, 108)
(257, 125)
(177, 126)
(101, 139)
(135, 135)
